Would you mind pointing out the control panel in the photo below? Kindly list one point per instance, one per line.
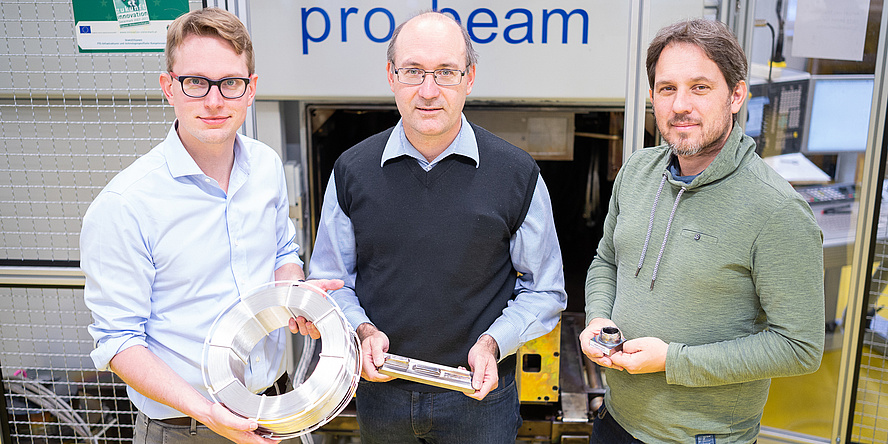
(828, 193)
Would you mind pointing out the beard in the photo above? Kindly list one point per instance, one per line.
(685, 148)
(711, 138)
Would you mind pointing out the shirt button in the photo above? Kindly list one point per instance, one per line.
(207, 180)
(697, 236)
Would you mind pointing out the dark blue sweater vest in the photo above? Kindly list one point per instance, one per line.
(433, 263)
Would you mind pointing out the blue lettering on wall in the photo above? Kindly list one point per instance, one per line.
(391, 20)
(450, 11)
(306, 37)
(527, 25)
(564, 19)
(472, 24)
(344, 13)
(482, 24)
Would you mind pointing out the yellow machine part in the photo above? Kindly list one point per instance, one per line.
(539, 363)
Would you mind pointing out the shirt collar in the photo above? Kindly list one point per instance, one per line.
(464, 144)
(674, 169)
(182, 164)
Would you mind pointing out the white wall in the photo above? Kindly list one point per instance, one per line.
(326, 49)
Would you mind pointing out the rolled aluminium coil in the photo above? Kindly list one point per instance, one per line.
(238, 329)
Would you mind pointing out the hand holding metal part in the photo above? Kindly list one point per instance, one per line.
(592, 348)
(374, 345)
(609, 340)
(237, 330)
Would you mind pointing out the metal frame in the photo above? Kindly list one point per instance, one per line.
(636, 84)
(864, 245)
(54, 277)
(743, 26)
(5, 435)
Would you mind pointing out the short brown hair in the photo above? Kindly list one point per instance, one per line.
(711, 36)
(210, 22)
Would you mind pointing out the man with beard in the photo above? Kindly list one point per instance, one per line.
(710, 263)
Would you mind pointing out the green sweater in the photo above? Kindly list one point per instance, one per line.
(738, 294)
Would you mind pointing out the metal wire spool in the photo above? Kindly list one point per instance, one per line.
(243, 324)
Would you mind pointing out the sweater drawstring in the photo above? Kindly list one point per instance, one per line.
(666, 237)
(647, 238)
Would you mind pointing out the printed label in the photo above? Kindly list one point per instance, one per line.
(705, 439)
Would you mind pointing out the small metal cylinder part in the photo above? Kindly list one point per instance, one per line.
(610, 335)
(609, 340)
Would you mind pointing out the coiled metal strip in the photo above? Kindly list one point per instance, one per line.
(240, 327)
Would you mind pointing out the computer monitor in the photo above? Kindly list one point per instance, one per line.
(838, 114)
(776, 114)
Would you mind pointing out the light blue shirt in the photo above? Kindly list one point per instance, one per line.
(540, 295)
(165, 251)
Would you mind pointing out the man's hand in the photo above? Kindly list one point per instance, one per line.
(374, 344)
(642, 355)
(327, 284)
(304, 326)
(596, 355)
(482, 359)
(237, 429)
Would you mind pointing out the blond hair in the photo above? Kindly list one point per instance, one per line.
(210, 22)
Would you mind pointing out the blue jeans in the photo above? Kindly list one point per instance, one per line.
(388, 415)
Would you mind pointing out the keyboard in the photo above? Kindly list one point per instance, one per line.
(833, 193)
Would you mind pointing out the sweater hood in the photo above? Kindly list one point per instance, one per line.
(739, 150)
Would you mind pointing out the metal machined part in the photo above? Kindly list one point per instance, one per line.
(397, 363)
(427, 370)
(427, 373)
(239, 328)
(456, 376)
(609, 340)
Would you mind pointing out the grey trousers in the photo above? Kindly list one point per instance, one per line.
(149, 431)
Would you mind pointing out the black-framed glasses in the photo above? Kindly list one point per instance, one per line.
(443, 77)
(197, 86)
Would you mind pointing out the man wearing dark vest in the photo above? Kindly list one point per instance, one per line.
(444, 235)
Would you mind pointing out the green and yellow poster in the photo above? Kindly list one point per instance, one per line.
(124, 25)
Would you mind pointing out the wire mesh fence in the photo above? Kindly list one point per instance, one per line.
(68, 122)
(870, 421)
(52, 393)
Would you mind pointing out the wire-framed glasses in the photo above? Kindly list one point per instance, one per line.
(197, 86)
(443, 77)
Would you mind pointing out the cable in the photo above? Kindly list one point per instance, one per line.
(263, 310)
(37, 393)
(308, 346)
(777, 53)
(759, 23)
(768, 109)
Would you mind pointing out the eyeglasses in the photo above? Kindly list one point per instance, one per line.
(443, 77)
(197, 86)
